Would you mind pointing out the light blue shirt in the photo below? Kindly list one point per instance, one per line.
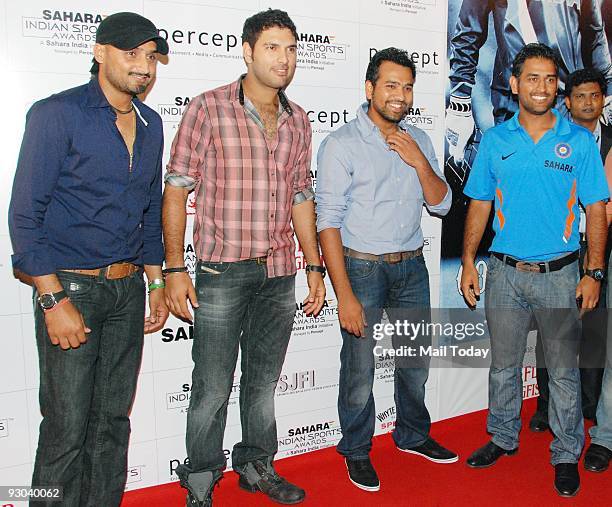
(368, 192)
(536, 186)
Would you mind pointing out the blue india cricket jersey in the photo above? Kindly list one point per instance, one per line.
(537, 187)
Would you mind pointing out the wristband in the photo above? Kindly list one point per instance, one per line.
(167, 271)
(157, 283)
(63, 301)
(317, 269)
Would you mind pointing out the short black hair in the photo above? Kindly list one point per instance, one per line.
(582, 76)
(394, 55)
(533, 50)
(263, 20)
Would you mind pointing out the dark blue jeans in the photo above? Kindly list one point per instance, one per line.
(239, 307)
(394, 287)
(86, 393)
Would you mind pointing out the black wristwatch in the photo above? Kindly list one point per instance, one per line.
(318, 269)
(50, 299)
(596, 274)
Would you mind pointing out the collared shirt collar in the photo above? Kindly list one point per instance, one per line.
(597, 134)
(96, 98)
(237, 93)
(560, 127)
(365, 125)
(95, 95)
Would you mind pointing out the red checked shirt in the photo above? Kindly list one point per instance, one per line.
(245, 183)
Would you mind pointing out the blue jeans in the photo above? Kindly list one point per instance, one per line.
(239, 307)
(86, 393)
(512, 298)
(379, 285)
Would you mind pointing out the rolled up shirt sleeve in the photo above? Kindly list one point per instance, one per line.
(45, 146)
(302, 186)
(333, 184)
(187, 154)
(443, 207)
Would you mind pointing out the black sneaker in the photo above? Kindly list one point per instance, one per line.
(259, 475)
(362, 474)
(433, 451)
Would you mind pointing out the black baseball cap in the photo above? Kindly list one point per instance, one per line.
(128, 30)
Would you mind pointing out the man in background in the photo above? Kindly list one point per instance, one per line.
(585, 91)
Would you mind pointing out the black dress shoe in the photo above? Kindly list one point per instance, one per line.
(567, 480)
(597, 458)
(539, 422)
(487, 455)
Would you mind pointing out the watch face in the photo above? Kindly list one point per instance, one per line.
(598, 274)
(47, 301)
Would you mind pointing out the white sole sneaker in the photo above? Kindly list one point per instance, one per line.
(434, 460)
(361, 486)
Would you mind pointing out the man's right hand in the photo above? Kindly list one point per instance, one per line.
(179, 289)
(351, 315)
(65, 326)
(470, 287)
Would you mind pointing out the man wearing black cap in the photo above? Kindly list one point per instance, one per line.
(84, 220)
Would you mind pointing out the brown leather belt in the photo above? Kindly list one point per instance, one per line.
(391, 258)
(112, 272)
(259, 260)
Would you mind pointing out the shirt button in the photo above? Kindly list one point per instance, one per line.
(401, 202)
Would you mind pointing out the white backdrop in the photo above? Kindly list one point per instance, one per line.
(45, 47)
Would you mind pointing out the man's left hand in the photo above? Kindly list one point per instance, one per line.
(316, 295)
(407, 148)
(588, 291)
(158, 311)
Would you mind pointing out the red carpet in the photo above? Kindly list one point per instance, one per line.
(524, 479)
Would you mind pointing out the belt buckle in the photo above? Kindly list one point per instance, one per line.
(394, 258)
(118, 271)
(527, 267)
(110, 272)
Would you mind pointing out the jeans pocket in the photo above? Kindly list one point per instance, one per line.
(357, 269)
(76, 285)
(212, 268)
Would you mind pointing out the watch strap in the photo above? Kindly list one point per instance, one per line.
(56, 298)
(318, 269)
(598, 274)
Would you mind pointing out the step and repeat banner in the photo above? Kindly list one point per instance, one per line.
(46, 47)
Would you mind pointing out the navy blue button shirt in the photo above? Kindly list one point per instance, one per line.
(75, 204)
